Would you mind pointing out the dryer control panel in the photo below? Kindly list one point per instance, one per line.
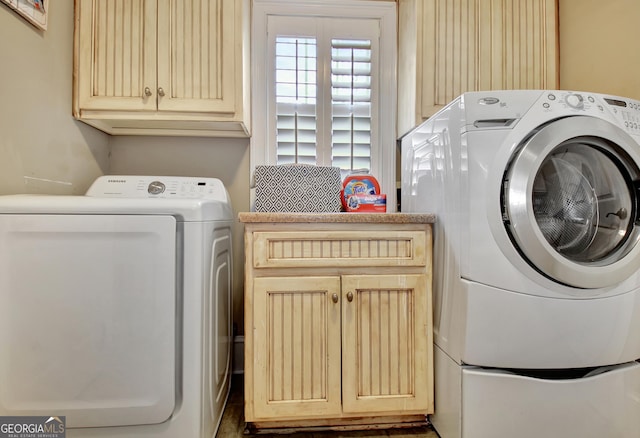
(171, 187)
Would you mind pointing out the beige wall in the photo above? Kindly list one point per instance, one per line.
(599, 46)
(226, 159)
(42, 148)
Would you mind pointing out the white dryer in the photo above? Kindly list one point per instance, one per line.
(115, 307)
(536, 261)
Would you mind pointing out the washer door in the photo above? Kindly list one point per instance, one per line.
(570, 202)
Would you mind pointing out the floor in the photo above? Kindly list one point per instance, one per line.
(232, 424)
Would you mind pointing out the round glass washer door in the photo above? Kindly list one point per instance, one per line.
(570, 202)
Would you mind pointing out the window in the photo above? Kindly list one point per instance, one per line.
(296, 61)
(324, 86)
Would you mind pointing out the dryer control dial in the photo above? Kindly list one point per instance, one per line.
(155, 188)
(575, 101)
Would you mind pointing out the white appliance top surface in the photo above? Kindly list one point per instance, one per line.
(186, 198)
(502, 108)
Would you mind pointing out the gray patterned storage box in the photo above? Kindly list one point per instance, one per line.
(298, 188)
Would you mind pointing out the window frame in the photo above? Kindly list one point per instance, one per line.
(383, 158)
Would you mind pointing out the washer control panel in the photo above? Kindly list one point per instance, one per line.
(568, 100)
(173, 187)
(627, 111)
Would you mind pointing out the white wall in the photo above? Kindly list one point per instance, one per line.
(42, 148)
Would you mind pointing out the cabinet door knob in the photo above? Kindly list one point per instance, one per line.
(350, 296)
(334, 298)
(160, 92)
(147, 91)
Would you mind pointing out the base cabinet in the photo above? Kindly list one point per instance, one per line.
(337, 323)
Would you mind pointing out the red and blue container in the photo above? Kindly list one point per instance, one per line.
(361, 193)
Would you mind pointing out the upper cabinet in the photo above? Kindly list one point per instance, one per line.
(448, 47)
(163, 67)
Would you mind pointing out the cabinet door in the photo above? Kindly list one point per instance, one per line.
(486, 45)
(116, 54)
(296, 347)
(448, 47)
(387, 344)
(199, 55)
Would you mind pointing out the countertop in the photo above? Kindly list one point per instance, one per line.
(374, 218)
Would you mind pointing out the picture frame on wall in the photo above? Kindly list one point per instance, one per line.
(34, 11)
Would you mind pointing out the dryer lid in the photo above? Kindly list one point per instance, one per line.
(570, 202)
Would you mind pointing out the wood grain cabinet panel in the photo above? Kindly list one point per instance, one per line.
(194, 56)
(162, 67)
(357, 248)
(384, 354)
(119, 54)
(297, 354)
(448, 47)
(337, 324)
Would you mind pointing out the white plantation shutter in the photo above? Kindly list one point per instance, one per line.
(305, 132)
(295, 66)
(351, 104)
(323, 86)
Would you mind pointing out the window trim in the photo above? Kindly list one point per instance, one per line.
(383, 164)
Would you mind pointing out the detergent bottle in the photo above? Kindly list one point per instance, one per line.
(358, 183)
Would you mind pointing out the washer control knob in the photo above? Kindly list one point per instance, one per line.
(575, 101)
(155, 188)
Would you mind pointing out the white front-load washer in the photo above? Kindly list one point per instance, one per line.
(115, 307)
(536, 261)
